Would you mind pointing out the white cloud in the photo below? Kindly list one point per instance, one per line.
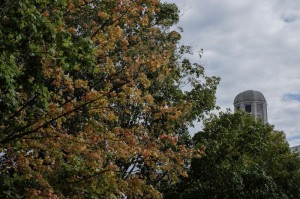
(250, 45)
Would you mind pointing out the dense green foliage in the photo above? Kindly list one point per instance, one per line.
(243, 159)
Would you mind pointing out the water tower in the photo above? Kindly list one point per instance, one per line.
(252, 102)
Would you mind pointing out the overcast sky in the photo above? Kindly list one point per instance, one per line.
(251, 45)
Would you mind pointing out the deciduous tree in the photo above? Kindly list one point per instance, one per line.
(243, 159)
(91, 102)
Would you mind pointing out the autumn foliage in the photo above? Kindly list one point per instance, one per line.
(91, 99)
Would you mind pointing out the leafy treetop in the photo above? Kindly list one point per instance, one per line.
(91, 102)
(244, 158)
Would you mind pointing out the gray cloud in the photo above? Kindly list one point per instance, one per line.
(250, 45)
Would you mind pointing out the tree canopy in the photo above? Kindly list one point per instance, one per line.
(91, 99)
(244, 158)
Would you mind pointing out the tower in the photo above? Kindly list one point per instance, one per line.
(252, 102)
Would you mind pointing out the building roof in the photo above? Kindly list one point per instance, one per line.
(295, 148)
(249, 95)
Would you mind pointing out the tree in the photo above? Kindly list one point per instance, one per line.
(90, 98)
(243, 159)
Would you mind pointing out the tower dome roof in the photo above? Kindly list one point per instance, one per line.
(249, 95)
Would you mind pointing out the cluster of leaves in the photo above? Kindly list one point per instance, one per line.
(244, 159)
(91, 104)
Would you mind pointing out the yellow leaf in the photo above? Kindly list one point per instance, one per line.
(184, 174)
(145, 20)
(80, 83)
(103, 15)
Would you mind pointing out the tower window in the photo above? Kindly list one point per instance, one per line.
(248, 108)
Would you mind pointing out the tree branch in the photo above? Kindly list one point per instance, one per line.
(20, 135)
(24, 106)
(107, 23)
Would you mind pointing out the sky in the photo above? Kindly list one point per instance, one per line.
(251, 45)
